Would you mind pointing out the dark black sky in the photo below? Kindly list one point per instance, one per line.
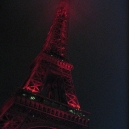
(97, 49)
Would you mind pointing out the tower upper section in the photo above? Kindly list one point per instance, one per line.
(50, 73)
(57, 38)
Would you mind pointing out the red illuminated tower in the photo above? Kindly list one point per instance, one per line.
(47, 100)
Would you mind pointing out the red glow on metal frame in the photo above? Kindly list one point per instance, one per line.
(53, 57)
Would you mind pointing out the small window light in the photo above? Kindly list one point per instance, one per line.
(32, 98)
(24, 94)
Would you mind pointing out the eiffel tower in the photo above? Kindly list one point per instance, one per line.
(47, 100)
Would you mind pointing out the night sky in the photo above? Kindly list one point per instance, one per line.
(97, 49)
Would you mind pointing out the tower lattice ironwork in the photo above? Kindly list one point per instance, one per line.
(47, 100)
